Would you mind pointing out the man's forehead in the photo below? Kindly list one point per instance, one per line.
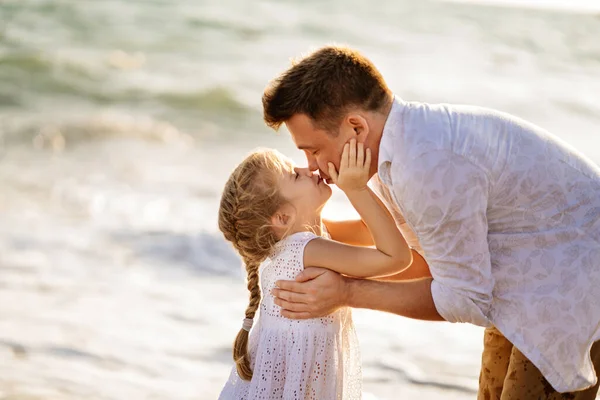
(304, 134)
(301, 125)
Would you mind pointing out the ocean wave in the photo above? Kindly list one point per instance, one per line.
(57, 135)
(414, 375)
(573, 6)
(214, 99)
(33, 78)
(23, 65)
(241, 28)
(203, 253)
(36, 74)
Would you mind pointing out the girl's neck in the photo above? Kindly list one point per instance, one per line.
(314, 225)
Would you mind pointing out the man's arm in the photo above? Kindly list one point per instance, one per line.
(353, 232)
(318, 292)
(418, 269)
(445, 196)
(411, 299)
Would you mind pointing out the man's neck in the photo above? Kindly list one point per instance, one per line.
(377, 125)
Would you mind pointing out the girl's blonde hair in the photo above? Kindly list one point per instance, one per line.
(250, 198)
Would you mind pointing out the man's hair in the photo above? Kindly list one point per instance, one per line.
(325, 85)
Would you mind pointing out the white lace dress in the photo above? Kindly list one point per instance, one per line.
(313, 359)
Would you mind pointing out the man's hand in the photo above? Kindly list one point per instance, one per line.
(315, 293)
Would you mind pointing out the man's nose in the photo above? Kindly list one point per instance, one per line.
(312, 164)
(303, 171)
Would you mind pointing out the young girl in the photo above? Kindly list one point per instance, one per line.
(272, 211)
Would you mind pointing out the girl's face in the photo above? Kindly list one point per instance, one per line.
(306, 191)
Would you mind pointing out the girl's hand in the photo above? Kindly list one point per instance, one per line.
(354, 168)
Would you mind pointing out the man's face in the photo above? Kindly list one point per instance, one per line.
(319, 146)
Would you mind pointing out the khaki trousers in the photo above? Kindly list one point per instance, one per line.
(506, 374)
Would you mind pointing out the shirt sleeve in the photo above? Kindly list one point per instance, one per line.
(444, 199)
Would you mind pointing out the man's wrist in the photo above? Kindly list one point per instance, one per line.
(349, 287)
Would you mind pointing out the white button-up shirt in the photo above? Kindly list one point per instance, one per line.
(508, 218)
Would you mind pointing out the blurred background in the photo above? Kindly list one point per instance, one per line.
(120, 122)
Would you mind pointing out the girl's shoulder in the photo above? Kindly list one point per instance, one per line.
(293, 245)
(287, 258)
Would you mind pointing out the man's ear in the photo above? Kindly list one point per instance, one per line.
(283, 219)
(359, 126)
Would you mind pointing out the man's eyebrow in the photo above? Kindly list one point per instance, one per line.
(305, 147)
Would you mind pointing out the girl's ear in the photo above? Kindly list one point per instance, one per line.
(283, 219)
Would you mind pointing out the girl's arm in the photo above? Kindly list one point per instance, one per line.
(391, 253)
(356, 233)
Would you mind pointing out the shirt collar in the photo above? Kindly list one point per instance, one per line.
(391, 128)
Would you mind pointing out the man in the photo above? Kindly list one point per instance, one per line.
(508, 218)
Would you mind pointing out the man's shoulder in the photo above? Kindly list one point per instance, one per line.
(418, 112)
(425, 128)
(431, 160)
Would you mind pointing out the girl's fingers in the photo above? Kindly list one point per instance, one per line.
(360, 155)
(352, 160)
(368, 160)
(344, 161)
(332, 172)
